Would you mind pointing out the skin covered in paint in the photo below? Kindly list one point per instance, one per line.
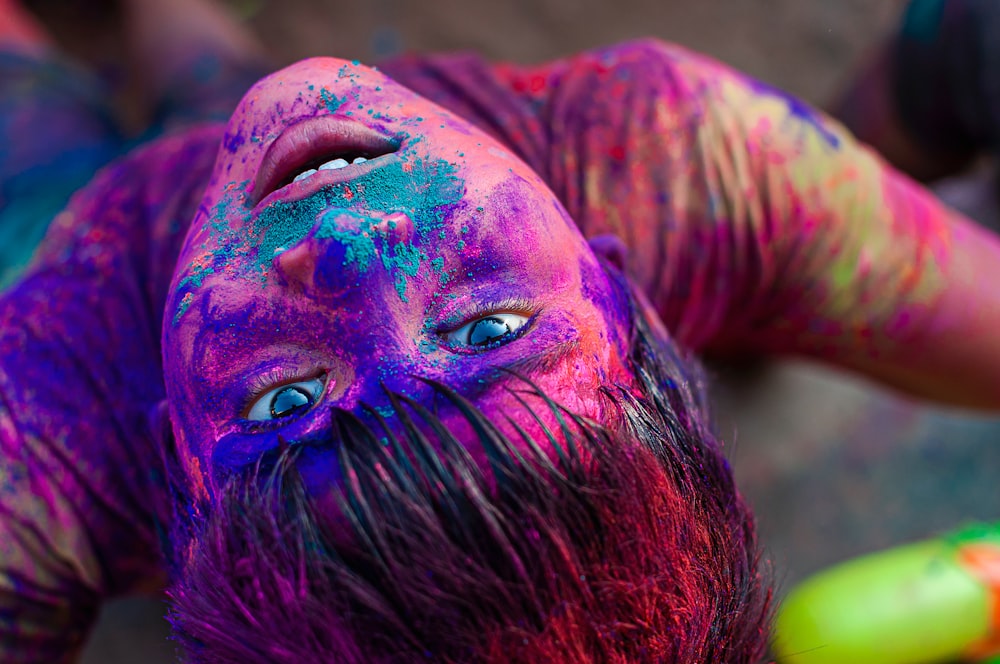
(752, 222)
(746, 226)
(366, 277)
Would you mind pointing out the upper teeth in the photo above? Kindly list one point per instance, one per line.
(336, 163)
(333, 164)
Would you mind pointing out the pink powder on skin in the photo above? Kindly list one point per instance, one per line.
(372, 273)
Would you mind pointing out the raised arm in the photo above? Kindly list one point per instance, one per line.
(754, 223)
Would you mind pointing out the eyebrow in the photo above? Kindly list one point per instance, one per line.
(542, 360)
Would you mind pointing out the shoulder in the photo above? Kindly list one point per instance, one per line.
(128, 222)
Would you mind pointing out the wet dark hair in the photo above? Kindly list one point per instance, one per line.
(629, 544)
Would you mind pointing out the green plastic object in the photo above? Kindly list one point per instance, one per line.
(924, 603)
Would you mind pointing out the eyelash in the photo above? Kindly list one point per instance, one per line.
(262, 383)
(508, 305)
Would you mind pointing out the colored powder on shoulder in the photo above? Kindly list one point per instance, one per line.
(800, 111)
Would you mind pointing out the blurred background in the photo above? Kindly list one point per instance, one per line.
(833, 466)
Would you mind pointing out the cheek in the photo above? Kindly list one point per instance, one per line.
(193, 427)
(189, 435)
(539, 422)
(605, 292)
(575, 385)
(575, 381)
(601, 349)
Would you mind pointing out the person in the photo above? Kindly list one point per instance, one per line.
(927, 99)
(395, 379)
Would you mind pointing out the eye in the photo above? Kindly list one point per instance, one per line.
(286, 400)
(488, 330)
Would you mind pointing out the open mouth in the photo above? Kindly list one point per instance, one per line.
(323, 148)
(336, 162)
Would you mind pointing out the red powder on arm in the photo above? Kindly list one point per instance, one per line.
(753, 222)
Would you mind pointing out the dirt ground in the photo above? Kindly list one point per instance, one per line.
(833, 466)
(805, 46)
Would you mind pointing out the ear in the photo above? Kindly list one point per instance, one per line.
(180, 474)
(158, 421)
(611, 248)
(165, 477)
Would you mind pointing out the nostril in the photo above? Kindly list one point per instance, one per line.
(397, 227)
(341, 245)
(296, 266)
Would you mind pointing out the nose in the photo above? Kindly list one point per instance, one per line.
(345, 247)
(351, 274)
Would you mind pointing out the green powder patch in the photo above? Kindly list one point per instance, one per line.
(282, 225)
(221, 246)
(182, 308)
(425, 191)
(402, 262)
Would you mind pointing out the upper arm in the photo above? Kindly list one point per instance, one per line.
(756, 224)
(81, 473)
(753, 222)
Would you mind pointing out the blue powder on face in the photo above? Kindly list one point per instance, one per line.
(359, 243)
(438, 266)
(182, 308)
(283, 225)
(233, 142)
(330, 100)
(227, 245)
(196, 277)
(364, 240)
(426, 191)
(403, 262)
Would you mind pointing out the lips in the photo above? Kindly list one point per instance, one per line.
(320, 151)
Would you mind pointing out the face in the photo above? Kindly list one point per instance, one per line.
(353, 238)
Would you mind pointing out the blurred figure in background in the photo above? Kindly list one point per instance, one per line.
(929, 99)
